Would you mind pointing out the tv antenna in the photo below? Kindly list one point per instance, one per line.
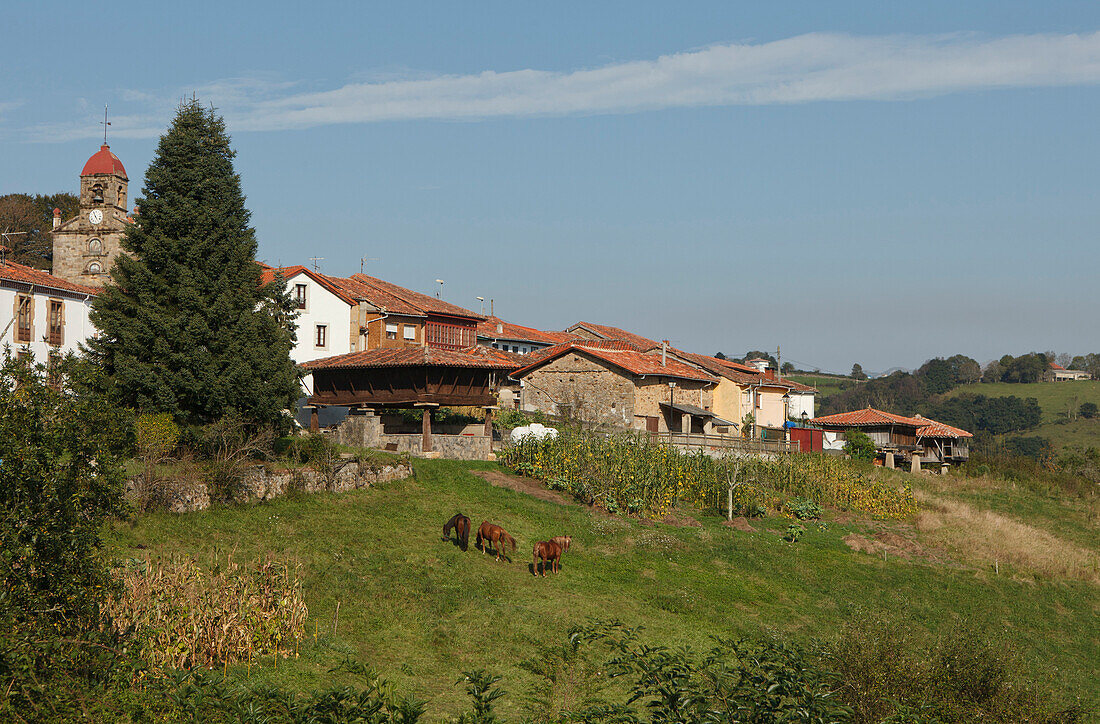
(105, 123)
(317, 262)
(363, 262)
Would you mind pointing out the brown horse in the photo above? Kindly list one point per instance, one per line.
(461, 526)
(551, 551)
(494, 536)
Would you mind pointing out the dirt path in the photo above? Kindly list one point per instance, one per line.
(530, 486)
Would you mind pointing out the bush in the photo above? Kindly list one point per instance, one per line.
(61, 478)
(1088, 410)
(888, 673)
(859, 445)
(510, 419)
(803, 509)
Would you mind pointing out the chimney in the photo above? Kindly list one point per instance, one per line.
(664, 352)
(500, 328)
(56, 218)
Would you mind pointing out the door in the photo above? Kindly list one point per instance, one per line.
(651, 424)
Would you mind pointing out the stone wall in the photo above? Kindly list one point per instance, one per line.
(259, 483)
(577, 386)
(652, 391)
(451, 447)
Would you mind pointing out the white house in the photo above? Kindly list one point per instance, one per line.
(325, 314)
(40, 314)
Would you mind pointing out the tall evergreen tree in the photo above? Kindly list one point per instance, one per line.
(185, 325)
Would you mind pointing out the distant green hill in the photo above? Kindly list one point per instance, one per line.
(1058, 400)
(420, 611)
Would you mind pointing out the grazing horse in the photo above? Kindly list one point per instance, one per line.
(461, 526)
(551, 551)
(494, 536)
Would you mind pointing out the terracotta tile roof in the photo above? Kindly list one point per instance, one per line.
(1056, 366)
(559, 337)
(28, 275)
(511, 359)
(407, 357)
(739, 373)
(633, 361)
(939, 429)
(289, 272)
(605, 331)
(618, 344)
(425, 303)
(869, 417)
(380, 298)
(497, 328)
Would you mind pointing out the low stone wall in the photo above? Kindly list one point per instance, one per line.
(451, 447)
(259, 483)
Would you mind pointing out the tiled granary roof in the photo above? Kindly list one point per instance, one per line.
(408, 357)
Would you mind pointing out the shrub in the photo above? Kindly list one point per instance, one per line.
(859, 445)
(794, 533)
(804, 509)
(155, 437)
(1088, 410)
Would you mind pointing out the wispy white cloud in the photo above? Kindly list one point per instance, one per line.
(802, 69)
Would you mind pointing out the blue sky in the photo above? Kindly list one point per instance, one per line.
(853, 181)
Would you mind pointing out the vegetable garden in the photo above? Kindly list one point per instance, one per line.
(632, 474)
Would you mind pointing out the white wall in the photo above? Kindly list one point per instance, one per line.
(76, 327)
(801, 402)
(322, 307)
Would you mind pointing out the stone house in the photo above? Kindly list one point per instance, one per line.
(619, 387)
(41, 314)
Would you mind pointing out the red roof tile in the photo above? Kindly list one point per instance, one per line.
(288, 272)
(497, 328)
(633, 361)
(425, 303)
(605, 331)
(407, 357)
(1056, 366)
(103, 161)
(28, 275)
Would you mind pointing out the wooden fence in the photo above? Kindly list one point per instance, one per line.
(723, 444)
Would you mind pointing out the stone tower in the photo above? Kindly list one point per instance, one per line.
(85, 247)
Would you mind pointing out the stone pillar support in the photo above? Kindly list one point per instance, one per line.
(314, 420)
(914, 463)
(890, 460)
(426, 426)
(489, 420)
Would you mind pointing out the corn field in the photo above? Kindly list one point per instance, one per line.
(185, 617)
(632, 474)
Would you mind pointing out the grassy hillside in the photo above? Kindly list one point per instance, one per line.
(826, 384)
(420, 611)
(1056, 399)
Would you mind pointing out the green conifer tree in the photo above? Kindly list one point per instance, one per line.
(186, 327)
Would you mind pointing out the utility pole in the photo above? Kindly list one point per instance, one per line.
(778, 364)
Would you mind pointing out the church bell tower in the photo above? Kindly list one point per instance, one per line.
(85, 247)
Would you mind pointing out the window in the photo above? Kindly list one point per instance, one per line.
(391, 331)
(53, 369)
(97, 194)
(95, 268)
(25, 313)
(322, 335)
(95, 246)
(57, 321)
(300, 295)
(410, 332)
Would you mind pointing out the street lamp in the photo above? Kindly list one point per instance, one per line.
(439, 294)
(482, 300)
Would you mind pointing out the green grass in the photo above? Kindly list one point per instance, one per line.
(1056, 399)
(420, 611)
(826, 386)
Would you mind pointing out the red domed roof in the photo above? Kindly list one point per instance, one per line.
(103, 161)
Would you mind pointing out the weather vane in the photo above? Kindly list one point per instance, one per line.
(105, 123)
